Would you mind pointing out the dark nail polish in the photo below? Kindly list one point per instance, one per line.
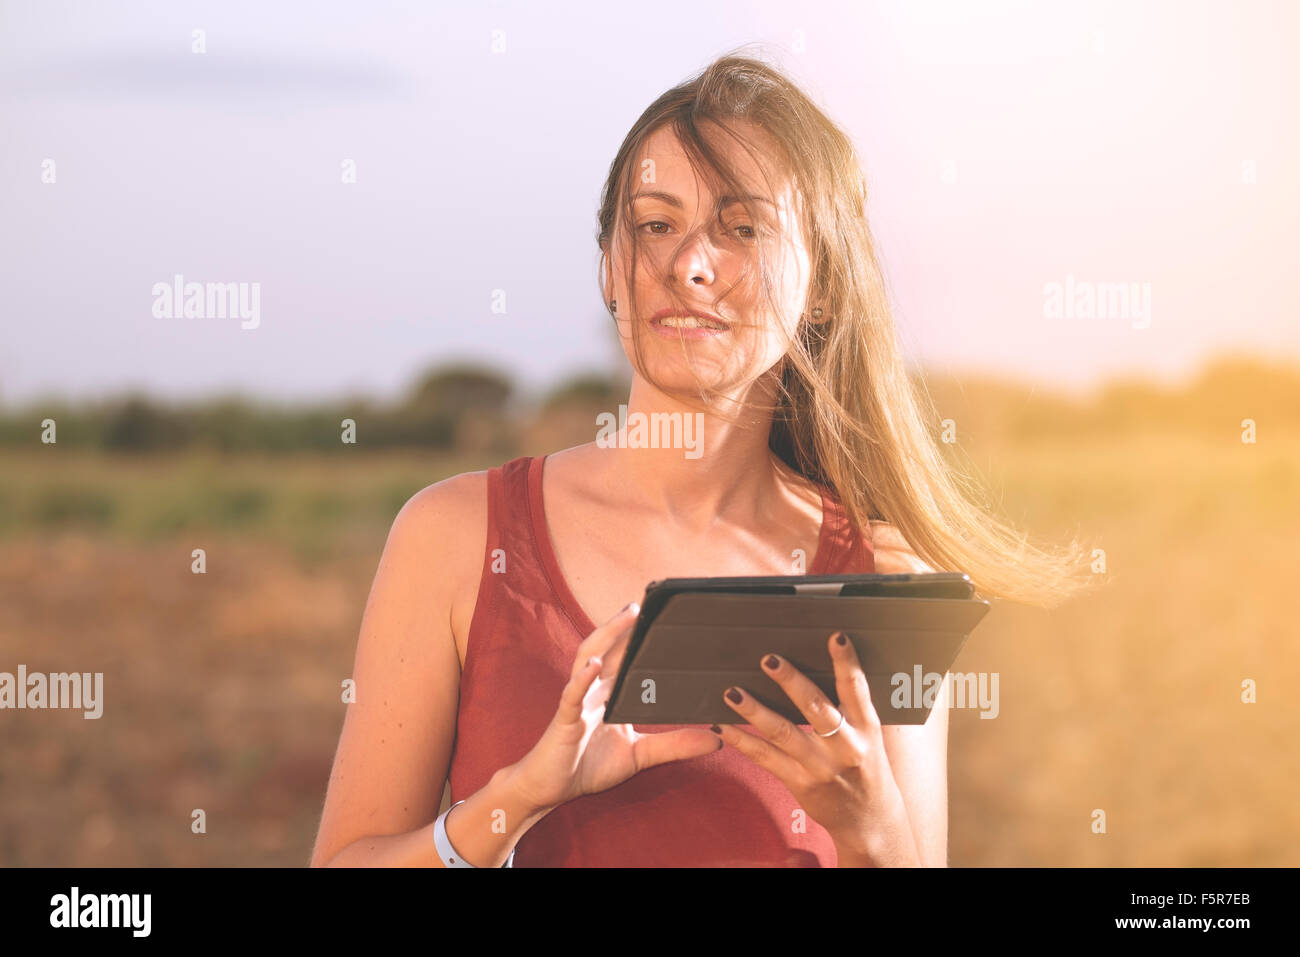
(771, 663)
(715, 729)
(734, 695)
(841, 640)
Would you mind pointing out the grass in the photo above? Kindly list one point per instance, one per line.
(301, 501)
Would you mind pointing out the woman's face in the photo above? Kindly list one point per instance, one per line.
(703, 246)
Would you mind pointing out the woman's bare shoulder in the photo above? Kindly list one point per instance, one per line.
(439, 528)
(458, 496)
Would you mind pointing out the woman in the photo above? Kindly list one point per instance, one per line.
(738, 266)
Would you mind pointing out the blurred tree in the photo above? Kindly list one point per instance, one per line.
(588, 388)
(137, 425)
(567, 414)
(474, 408)
(461, 404)
(457, 389)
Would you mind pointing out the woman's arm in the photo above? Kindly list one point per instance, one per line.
(469, 829)
(395, 748)
(918, 754)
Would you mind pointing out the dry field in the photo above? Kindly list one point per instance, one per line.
(222, 690)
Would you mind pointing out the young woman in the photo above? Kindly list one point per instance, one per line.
(739, 268)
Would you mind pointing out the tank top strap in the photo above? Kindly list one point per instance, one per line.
(512, 568)
(510, 513)
(849, 550)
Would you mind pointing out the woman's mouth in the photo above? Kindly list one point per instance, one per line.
(688, 327)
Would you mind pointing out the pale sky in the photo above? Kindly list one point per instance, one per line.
(1008, 145)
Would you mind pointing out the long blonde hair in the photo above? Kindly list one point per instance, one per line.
(848, 415)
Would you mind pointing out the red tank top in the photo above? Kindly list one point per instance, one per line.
(719, 809)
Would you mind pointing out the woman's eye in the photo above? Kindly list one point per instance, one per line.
(746, 233)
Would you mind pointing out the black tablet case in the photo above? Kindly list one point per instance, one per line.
(694, 638)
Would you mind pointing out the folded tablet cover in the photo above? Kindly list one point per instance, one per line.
(700, 644)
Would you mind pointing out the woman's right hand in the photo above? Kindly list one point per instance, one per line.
(578, 753)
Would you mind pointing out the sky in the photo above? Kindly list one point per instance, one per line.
(1018, 154)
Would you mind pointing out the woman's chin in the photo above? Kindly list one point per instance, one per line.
(676, 372)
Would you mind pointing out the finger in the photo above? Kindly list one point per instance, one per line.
(570, 707)
(605, 636)
(612, 660)
(851, 683)
(766, 755)
(650, 750)
(811, 701)
(779, 733)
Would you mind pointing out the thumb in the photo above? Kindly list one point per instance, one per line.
(651, 750)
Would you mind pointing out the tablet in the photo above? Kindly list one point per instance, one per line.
(696, 637)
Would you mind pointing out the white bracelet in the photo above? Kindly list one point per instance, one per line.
(443, 843)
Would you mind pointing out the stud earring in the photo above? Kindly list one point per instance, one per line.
(613, 307)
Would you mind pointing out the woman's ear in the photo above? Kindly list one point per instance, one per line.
(817, 316)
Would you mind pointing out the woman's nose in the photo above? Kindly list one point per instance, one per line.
(695, 260)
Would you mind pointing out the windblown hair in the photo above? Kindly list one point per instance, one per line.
(847, 413)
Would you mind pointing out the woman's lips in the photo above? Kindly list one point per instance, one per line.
(686, 332)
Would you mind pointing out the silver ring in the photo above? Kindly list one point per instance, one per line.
(835, 730)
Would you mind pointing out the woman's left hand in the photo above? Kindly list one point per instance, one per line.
(842, 781)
